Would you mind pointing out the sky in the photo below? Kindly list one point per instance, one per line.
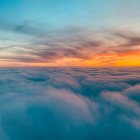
(69, 33)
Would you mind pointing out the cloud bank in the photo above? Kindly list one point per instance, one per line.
(70, 103)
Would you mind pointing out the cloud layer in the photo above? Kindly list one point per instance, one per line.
(70, 103)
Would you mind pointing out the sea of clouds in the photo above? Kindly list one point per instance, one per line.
(70, 104)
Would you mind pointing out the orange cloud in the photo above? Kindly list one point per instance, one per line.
(131, 58)
(119, 49)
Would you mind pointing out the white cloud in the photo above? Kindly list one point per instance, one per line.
(73, 103)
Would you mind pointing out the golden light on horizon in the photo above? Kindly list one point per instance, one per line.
(131, 58)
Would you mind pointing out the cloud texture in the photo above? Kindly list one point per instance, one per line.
(70, 103)
(39, 46)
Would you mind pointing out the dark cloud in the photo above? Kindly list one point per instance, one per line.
(131, 39)
(26, 28)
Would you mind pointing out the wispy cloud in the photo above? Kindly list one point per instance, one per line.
(49, 46)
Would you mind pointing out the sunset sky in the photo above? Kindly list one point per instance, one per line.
(69, 33)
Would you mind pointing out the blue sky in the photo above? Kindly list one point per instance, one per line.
(70, 12)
